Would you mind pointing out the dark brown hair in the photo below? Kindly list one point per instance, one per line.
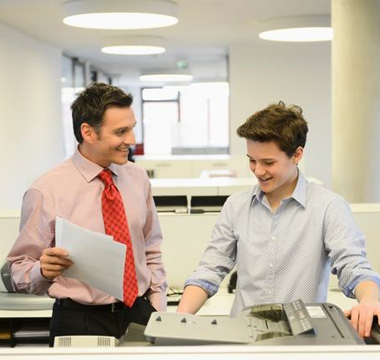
(90, 105)
(284, 125)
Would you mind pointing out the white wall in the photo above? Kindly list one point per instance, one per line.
(30, 116)
(295, 73)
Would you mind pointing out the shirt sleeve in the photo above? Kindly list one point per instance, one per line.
(36, 234)
(219, 258)
(345, 244)
(153, 241)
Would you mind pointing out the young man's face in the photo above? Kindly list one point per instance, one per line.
(111, 144)
(274, 170)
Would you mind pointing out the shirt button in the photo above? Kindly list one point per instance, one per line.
(269, 292)
(270, 265)
(273, 238)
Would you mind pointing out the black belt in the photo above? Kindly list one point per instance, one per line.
(71, 304)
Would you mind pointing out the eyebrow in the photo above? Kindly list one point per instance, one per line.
(125, 127)
(266, 159)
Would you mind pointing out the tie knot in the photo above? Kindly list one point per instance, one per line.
(106, 177)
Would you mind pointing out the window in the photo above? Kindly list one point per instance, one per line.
(73, 80)
(190, 120)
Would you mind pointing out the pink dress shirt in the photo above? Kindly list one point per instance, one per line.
(73, 191)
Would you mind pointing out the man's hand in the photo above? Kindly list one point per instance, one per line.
(53, 262)
(361, 315)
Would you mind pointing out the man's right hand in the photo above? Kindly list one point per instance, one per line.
(53, 262)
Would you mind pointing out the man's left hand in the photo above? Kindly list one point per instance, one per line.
(361, 315)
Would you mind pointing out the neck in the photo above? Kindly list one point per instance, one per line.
(89, 155)
(276, 197)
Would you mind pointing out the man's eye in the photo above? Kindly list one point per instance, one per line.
(269, 163)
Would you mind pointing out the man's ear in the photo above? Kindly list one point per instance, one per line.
(88, 133)
(297, 156)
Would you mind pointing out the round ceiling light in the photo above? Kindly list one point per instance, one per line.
(120, 14)
(136, 45)
(166, 76)
(297, 29)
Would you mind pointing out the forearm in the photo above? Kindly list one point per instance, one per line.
(27, 278)
(192, 300)
(367, 290)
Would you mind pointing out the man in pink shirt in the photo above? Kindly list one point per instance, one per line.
(103, 122)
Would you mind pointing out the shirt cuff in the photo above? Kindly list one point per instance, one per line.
(41, 283)
(210, 288)
(349, 290)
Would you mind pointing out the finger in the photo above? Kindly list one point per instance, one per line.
(52, 259)
(54, 267)
(51, 275)
(354, 318)
(51, 271)
(54, 251)
(368, 324)
(56, 260)
(362, 318)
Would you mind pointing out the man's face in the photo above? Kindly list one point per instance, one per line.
(111, 144)
(274, 170)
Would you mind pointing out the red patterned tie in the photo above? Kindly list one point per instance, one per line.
(115, 223)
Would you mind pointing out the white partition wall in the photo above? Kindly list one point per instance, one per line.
(30, 117)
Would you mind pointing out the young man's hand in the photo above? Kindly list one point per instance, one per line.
(361, 315)
(53, 262)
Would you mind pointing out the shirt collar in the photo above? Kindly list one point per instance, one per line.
(299, 193)
(89, 169)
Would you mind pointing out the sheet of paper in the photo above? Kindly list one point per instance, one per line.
(98, 259)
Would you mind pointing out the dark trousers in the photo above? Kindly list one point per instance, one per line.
(71, 318)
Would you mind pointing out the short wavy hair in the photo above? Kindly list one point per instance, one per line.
(282, 124)
(90, 105)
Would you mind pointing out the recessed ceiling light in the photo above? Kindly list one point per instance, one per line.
(166, 76)
(120, 14)
(136, 45)
(297, 29)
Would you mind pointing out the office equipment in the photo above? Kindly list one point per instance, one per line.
(201, 204)
(5, 278)
(176, 204)
(273, 324)
(85, 341)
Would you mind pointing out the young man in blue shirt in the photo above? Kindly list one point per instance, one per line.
(285, 234)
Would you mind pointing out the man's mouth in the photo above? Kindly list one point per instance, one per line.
(122, 150)
(266, 179)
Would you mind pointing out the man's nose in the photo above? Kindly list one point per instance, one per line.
(259, 170)
(130, 139)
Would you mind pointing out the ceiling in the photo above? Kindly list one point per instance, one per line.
(202, 37)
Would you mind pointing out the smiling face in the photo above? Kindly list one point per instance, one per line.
(276, 173)
(111, 143)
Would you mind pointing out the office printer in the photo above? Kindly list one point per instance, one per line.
(274, 324)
